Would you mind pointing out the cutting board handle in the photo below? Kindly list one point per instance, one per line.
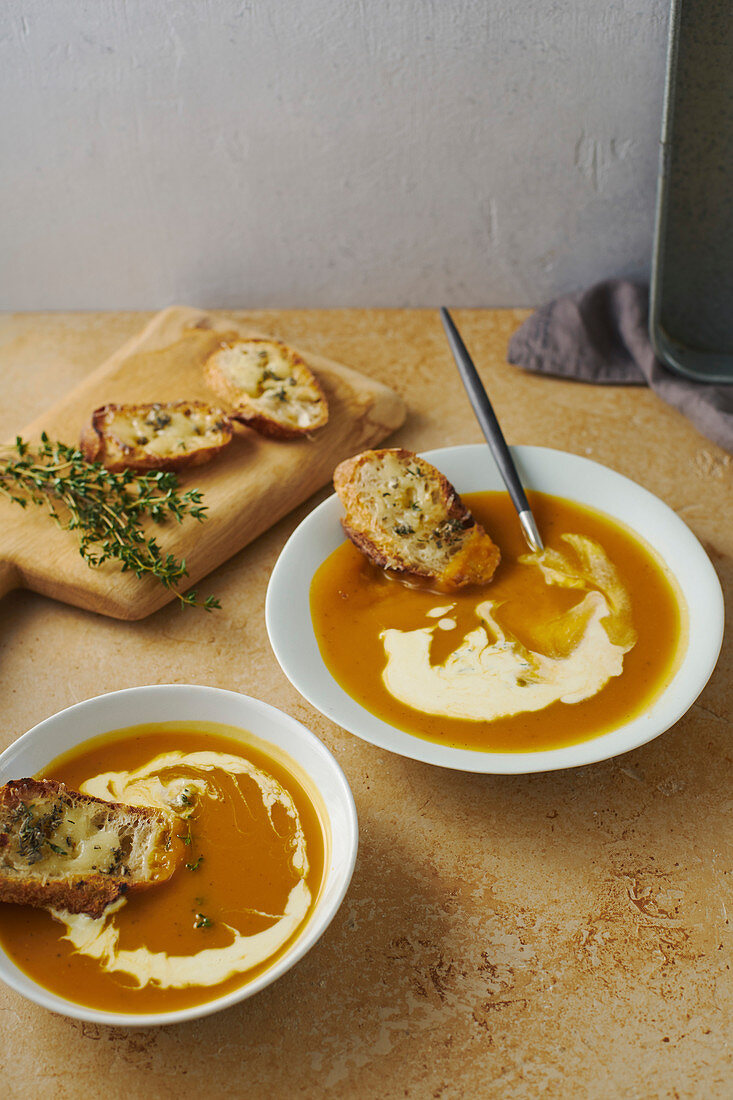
(9, 577)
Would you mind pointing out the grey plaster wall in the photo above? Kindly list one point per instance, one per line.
(325, 152)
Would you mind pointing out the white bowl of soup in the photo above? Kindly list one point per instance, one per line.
(268, 834)
(566, 658)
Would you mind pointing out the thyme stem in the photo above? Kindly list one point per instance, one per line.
(106, 509)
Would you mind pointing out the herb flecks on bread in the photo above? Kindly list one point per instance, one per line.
(404, 515)
(61, 849)
(159, 436)
(268, 387)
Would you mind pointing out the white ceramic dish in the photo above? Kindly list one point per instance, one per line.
(191, 703)
(470, 468)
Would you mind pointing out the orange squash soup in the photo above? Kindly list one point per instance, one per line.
(560, 647)
(252, 867)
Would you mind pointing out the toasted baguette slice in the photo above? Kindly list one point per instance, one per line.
(404, 515)
(155, 437)
(268, 387)
(60, 849)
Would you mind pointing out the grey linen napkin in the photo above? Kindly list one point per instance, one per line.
(602, 336)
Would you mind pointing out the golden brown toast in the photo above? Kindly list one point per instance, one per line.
(61, 849)
(159, 436)
(268, 387)
(404, 515)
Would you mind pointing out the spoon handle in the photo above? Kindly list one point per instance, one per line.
(490, 427)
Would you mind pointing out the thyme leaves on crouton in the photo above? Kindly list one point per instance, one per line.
(35, 831)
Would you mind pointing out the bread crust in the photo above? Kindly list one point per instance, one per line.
(25, 875)
(256, 410)
(101, 440)
(405, 516)
(90, 895)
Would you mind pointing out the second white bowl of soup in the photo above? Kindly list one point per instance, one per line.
(575, 655)
(266, 836)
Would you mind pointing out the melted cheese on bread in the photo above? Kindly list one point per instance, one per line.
(266, 378)
(85, 840)
(61, 848)
(165, 430)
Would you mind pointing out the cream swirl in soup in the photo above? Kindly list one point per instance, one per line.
(492, 674)
(175, 782)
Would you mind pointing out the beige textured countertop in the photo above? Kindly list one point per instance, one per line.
(563, 935)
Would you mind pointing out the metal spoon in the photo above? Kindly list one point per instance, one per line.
(490, 427)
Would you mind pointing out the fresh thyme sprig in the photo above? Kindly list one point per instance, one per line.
(106, 509)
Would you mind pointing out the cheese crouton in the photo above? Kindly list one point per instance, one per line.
(404, 515)
(155, 437)
(268, 387)
(60, 849)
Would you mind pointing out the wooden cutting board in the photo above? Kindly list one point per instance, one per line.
(248, 488)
